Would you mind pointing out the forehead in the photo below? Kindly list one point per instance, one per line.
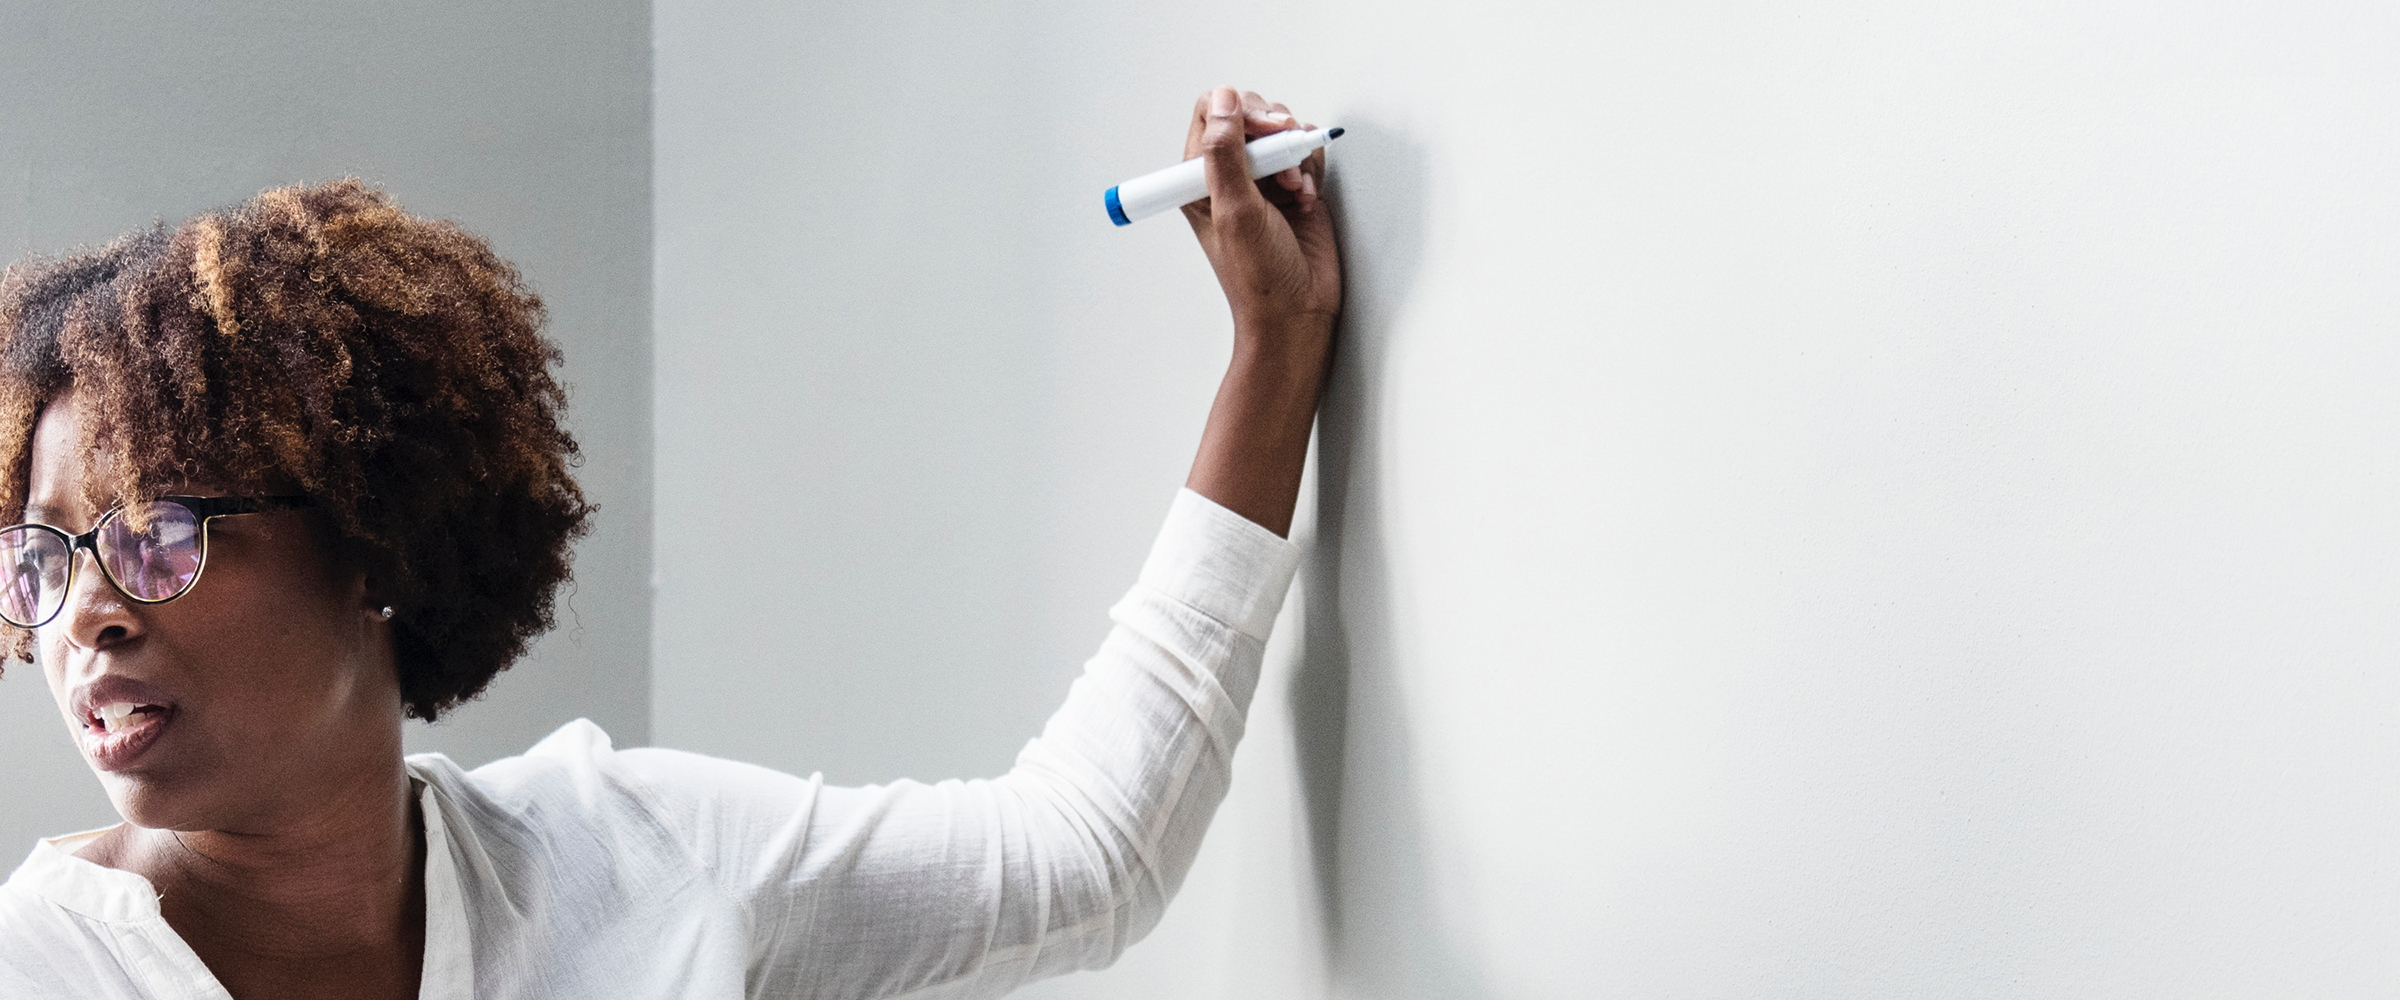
(60, 463)
(70, 479)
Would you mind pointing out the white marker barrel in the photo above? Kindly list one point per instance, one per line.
(1187, 182)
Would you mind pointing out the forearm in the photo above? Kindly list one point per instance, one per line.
(1060, 864)
(1256, 442)
(1272, 247)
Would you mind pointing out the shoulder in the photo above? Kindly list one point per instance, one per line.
(732, 813)
(576, 785)
(25, 919)
(546, 820)
(31, 962)
(574, 769)
(569, 785)
(48, 950)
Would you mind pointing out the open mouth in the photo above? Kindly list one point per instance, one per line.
(115, 733)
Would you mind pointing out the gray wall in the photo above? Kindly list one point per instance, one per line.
(872, 541)
(1861, 501)
(527, 122)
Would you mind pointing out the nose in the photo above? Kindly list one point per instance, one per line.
(95, 617)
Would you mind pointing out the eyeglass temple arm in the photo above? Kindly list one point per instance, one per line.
(206, 507)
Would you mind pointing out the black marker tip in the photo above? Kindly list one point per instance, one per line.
(1334, 132)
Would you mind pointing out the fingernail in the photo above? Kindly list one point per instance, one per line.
(1278, 116)
(1221, 102)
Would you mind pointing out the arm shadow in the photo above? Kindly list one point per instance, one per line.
(1367, 840)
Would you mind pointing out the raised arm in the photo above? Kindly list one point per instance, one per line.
(969, 889)
(1272, 247)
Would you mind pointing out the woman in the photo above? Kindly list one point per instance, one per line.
(312, 448)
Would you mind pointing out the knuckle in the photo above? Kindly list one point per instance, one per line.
(1242, 216)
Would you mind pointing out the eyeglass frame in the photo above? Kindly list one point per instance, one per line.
(204, 510)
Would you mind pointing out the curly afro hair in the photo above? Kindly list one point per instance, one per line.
(320, 340)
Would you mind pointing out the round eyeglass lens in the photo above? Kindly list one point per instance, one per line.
(35, 562)
(152, 550)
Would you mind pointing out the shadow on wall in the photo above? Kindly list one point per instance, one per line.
(1384, 935)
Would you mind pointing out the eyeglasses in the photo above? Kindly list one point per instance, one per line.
(152, 552)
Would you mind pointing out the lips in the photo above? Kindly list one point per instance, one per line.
(121, 718)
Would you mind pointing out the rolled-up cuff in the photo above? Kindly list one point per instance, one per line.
(1221, 564)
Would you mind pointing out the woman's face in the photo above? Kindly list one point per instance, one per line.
(261, 689)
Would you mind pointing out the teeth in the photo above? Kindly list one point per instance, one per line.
(114, 714)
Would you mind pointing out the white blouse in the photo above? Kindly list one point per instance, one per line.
(579, 870)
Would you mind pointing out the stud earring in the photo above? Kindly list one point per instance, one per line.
(387, 613)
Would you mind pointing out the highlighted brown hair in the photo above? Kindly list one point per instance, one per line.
(320, 340)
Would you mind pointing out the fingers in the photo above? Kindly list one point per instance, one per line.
(1227, 162)
(1289, 179)
(1243, 116)
(1312, 176)
(1264, 118)
(1259, 117)
(1191, 136)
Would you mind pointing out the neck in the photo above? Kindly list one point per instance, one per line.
(343, 877)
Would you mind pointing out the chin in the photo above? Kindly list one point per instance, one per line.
(144, 804)
(161, 802)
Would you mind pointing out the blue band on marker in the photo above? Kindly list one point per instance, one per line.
(1116, 212)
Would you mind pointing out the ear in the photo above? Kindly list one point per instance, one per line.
(364, 593)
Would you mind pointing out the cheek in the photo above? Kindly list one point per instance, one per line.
(268, 649)
(276, 642)
(48, 656)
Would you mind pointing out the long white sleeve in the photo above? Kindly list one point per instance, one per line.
(578, 871)
(971, 888)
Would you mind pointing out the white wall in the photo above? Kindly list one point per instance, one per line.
(1868, 501)
(1854, 502)
(527, 122)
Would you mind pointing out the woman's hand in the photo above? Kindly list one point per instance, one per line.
(1272, 247)
(1269, 240)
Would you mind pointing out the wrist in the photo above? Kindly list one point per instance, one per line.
(1283, 339)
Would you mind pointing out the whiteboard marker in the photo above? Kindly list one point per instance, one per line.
(1187, 182)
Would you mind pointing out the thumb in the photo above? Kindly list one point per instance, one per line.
(1228, 163)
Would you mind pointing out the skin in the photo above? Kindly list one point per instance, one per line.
(274, 815)
(1272, 247)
